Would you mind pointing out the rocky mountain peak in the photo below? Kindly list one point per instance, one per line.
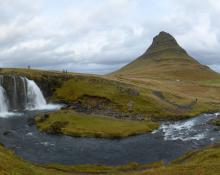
(164, 41)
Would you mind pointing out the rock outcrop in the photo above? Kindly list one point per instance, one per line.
(164, 41)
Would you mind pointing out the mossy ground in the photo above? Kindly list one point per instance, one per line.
(77, 124)
(132, 94)
(120, 94)
(140, 93)
(178, 93)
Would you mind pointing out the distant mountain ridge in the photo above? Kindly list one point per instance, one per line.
(165, 58)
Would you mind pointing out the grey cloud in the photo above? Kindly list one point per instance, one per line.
(103, 37)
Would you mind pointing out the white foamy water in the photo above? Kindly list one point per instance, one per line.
(3, 101)
(32, 97)
(47, 107)
(10, 114)
(4, 105)
(191, 129)
(35, 97)
(36, 100)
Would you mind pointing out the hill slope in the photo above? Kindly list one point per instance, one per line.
(167, 60)
(173, 77)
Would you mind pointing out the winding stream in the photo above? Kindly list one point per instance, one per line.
(171, 140)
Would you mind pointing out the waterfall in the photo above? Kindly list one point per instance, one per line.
(3, 98)
(24, 84)
(3, 101)
(35, 98)
(18, 93)
(15, 91)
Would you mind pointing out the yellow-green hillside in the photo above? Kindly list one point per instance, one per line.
(165, 59)
(135, 100)
(168, 73)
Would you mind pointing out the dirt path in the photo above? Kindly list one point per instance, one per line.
(189, 106)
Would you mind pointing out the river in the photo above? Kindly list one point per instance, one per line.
(170, 141)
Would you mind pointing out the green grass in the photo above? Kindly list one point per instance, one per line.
(30, 73)
(104, 169)
(120, 95)
(211, 83)
(82, 125)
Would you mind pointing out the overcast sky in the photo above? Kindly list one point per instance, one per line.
(100, 36)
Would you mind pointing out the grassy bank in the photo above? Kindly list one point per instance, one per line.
(10, 164)
(71, 123)
(201, 162)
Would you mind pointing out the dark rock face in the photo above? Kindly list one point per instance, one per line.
(16, 90)
(164, 41)
(92, 104)
(8, 133)
(48, 84)
(103, 106)
(56, 127)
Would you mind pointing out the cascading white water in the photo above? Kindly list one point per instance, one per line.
(15, 89)
(35, 98)
(19, 93)
(3, 101)
(24, 82)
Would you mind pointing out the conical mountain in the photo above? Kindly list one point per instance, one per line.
(166, 59)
